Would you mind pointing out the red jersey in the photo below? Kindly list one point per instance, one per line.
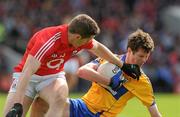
(50, 46)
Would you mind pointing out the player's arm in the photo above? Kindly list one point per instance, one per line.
(88, 72)
(101, 51)
(30, 67)
(154, 112)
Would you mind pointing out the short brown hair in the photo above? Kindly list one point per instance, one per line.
(140, 39)
(84, 25)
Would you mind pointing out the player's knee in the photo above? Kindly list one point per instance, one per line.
(61, 95)
(60, 99)
(38, 108)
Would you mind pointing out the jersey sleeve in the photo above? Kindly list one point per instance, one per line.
(142, 90)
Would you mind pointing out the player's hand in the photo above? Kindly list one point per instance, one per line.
(131, 70)
(116, 81)
(16, 111)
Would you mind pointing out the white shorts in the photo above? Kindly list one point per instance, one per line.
(36, 83)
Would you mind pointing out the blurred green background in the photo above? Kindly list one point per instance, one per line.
(169, 105)
(20, 19)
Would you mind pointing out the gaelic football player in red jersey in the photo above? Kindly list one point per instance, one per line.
(41, 69)
(104, 101)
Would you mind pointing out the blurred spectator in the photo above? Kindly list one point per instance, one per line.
(19, 19)
(4, 79)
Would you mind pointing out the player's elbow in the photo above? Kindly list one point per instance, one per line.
(81, 72)
(156, 114)
(159, 115)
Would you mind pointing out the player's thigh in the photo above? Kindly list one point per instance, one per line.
(55, 92)
(39, 108)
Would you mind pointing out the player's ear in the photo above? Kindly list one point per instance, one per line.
(77, 36)
(129, 50)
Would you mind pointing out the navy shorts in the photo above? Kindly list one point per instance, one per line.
(79, 109)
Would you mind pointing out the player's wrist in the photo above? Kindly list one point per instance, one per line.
(111, 83)
(120, 64)
(124, 67)
(18, 107)
(114, 83)
(15, 111)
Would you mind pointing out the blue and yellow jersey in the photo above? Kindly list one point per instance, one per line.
(109, 103)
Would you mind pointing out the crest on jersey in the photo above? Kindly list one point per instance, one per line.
(74, 52)
(115, 70)
(62, 55)
(54, 55)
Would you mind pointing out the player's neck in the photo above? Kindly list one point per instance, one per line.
(127, 60)
(70, 39)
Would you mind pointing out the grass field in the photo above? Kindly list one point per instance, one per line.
(169, 106)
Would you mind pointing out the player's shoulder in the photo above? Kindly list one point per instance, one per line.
(53, 29)
(143, 73)
(49, 32)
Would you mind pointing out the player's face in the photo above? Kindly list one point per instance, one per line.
(81, 41)
(139, 57)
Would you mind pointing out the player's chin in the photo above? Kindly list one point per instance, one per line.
(140, 64)
(77, 45)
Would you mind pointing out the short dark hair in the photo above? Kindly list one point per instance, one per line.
(84, 25)
(140, 39)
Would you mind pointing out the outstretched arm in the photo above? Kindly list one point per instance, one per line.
(30, 67)
(101, 51)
